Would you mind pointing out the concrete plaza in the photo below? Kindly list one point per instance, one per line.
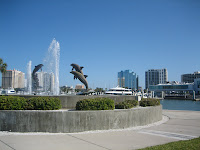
(175, 126)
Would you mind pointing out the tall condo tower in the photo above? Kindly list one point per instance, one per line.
(155, 76)
(128, 79)
(13, 79)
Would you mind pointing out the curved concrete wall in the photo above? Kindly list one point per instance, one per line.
(77, 121)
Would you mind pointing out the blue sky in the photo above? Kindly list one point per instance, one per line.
(104, 36)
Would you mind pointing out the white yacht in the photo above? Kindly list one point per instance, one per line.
(119, 91)
(8, 91)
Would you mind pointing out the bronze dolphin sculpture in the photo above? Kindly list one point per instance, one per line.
(81, 77)
(77, 68)
(38, 67)
(34, 76)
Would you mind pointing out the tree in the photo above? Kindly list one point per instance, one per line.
(99, 90)
(64, 89)
(3, 66)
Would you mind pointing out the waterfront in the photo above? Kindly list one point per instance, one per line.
(180, 104)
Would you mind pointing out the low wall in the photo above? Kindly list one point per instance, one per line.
(69, 102)
(77, 121)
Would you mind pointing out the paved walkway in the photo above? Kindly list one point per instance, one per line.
(182, 125)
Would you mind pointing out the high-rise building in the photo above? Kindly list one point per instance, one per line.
(46, 81)
(128, 79)
(155, 76)
(13, 79)
(189, 78)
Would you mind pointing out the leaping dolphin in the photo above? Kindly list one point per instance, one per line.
(81, 77)
(34, 76)
(77, 68)
(38, 67)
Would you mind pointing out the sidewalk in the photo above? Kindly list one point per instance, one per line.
(182, 125)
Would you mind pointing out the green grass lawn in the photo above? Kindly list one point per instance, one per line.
(193, 144)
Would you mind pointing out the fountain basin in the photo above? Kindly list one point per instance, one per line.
(69, 121)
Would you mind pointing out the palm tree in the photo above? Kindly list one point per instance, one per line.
(3, 66)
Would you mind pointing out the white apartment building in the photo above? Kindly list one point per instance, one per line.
(13, 79)
(155, 76)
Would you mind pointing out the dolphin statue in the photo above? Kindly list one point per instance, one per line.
(81, 77)
(77, 68)
(38, 67)
(34, 76)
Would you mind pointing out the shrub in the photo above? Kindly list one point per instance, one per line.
(149, 102)
(34, 103)
(12, 103)
(44, 103)
(95, 104)
(127, 104)
(29, 104)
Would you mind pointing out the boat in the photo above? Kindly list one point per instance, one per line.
(119, 91)
(8, 91)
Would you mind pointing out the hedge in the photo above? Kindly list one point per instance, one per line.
(44, 103)
(95, 104)
(127, 104)
(12, 103)
(34, 103)
(149, 102)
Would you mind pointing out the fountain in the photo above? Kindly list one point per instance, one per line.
(29, 78)
(51, 65)
(50, 76)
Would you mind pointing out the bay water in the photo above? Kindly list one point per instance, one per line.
(180, 104)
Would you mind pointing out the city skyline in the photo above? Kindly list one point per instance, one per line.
(122, 75)
(103, 36)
